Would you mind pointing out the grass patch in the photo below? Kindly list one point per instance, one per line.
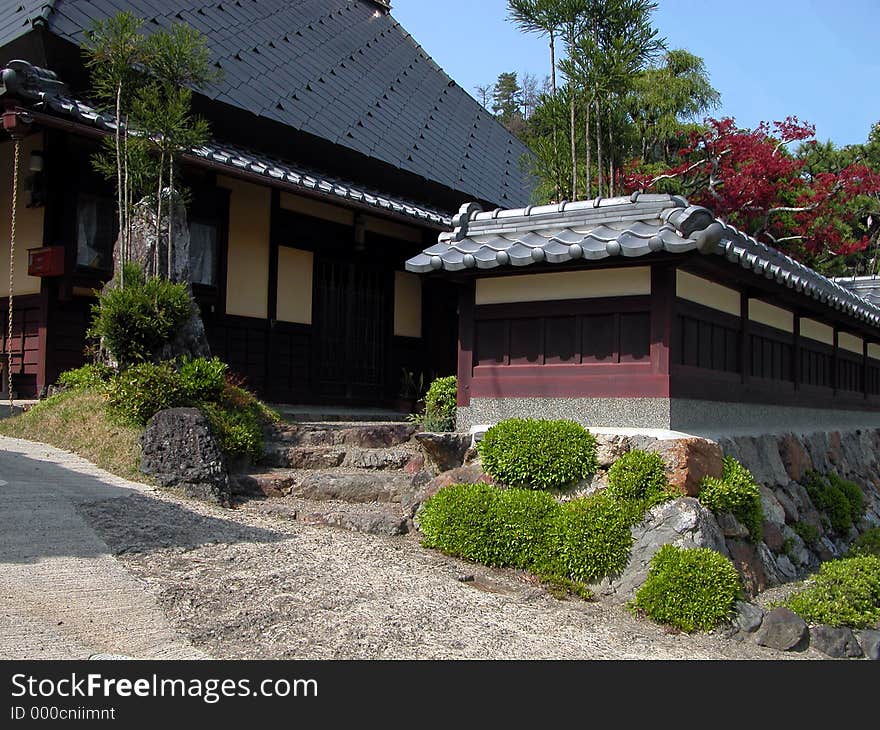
(78, 421)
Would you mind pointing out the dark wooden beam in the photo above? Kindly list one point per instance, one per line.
(465, 342)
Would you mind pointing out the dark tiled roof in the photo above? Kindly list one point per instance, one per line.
(629, 227)
(343, 70)
(51, 96)
(18, 17)
(867, 287)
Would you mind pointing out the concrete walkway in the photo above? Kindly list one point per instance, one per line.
(62, 593)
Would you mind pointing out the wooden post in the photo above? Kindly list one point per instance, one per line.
(865, 367)
(835, 367)
(272, 288)
(466, 305)
(745, 345)
(796, 353)
(662, 313)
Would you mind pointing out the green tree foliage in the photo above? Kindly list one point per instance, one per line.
(665, 101)
(148, 82)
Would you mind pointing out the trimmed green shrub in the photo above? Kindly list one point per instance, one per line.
(853, 493)
(135, 321)
(737, 493)
(143, 390)
(499, 527)
(89, 377)
(692, 589)
(237, 418)
(638, 476)
(806, 532)
(457, 521)
(593, 539)
(202, 379)
(840, 501)
(440, 405)
(868, 543)
(844, 592)
(538, 454)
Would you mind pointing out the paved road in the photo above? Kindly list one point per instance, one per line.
(62, 594)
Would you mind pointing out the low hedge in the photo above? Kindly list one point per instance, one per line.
(570, 545)
(538, 454)
(592, 539)
(691, 589)
(735, 492)
(844, 592)
(502, 528)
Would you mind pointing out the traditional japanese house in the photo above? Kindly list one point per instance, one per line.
(339, 149)
(648, 312)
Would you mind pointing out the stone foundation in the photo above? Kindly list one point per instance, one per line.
(702, 418)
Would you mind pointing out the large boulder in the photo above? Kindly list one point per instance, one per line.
(870, 643)
(179, 450)
(746, 559)
(782, 629)
(683, 522)
(470, 474)
(688, 461)
(748, 617)
(609, 448)
(794, 457)
(444, 451)
(835, 641)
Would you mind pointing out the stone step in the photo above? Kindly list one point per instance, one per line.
(367, 436)
(349, 485)
(372, 518)
(281, 454)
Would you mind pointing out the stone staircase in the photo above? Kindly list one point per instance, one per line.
(356, 475)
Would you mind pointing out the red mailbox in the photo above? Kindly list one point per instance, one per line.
(47, 261)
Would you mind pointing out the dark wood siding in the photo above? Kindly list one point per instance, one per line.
(27, 345)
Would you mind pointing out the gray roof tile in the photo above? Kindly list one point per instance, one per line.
(49, 95)
(323, 35)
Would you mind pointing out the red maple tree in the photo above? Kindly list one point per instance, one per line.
(751, 179)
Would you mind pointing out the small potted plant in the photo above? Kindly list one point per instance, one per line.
(411, 389)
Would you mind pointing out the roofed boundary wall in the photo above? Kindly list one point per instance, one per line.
(646, 312)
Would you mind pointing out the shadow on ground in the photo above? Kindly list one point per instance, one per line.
(49, 510)
(139, 524)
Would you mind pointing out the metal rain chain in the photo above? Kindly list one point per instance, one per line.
(12, 271)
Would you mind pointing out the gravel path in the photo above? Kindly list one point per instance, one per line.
(246, 583)
(62, 593)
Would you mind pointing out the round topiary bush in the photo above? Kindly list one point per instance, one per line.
(736, 492)
(692, 589)
(440, 405)
(844, 592)
(538, 454)
(135, 321)
(638, 476)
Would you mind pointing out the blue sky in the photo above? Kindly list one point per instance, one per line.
(817, 59)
